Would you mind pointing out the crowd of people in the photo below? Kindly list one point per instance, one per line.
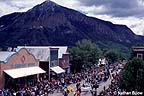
(113, 89)
(93, 76)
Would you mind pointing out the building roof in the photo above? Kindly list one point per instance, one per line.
(40, 53)
(5, 55)
(62, 50)
(43, 52)
(138, 47)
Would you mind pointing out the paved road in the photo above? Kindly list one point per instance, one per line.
(106, 84)
(70, 94)
(101, 86)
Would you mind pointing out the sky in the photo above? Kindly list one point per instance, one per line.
(127, 12)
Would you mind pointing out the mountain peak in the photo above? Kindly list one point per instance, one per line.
(47, 0)
(46, 5)
(50, 23)
(49, 3)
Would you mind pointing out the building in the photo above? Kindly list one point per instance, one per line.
(102, 61)
(64, 62)
(18, 68)
(51, 58)
(138, 52)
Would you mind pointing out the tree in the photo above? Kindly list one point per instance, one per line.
(85, 54)
(132, 76)
(113, 56)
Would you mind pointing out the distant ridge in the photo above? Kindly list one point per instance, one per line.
(51, 24)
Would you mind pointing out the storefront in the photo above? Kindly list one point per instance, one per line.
(48, 57)
(18, 68)
(64, 62)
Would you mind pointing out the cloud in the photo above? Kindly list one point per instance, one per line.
(127, 12)
(110, 3)
(116, 8)
(5, 8)
(10, 6)
(134, 23)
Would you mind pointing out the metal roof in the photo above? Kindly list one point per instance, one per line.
(5, 55)
(43, 52)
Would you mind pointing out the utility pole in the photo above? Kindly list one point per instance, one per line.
(49, 68)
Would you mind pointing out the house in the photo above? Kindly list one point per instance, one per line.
(138, 52)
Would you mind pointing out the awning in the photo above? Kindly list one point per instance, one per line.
(22, 72)
(57, 69)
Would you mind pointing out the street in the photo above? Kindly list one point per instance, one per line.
(101, 86)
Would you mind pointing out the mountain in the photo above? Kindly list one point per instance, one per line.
(51, 24)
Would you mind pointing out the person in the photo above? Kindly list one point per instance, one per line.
(78, 92)
(78, 85)
(83, 85)
(95, 85)
(94, 89)
(78, 89)
(65, 91)
(94, 92)
(63, 82)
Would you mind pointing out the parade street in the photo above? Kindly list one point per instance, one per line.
(106, 84)
(88, 93)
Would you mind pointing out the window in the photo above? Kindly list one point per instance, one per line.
(53, 58)
(139, 55)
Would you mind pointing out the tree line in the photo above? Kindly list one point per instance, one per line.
(86, 54)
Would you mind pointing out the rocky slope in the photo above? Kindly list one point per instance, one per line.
(51, 24)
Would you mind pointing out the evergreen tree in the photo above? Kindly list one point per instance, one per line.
(132, 76)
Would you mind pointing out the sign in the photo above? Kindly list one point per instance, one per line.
(138, 49)
(22, 65)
